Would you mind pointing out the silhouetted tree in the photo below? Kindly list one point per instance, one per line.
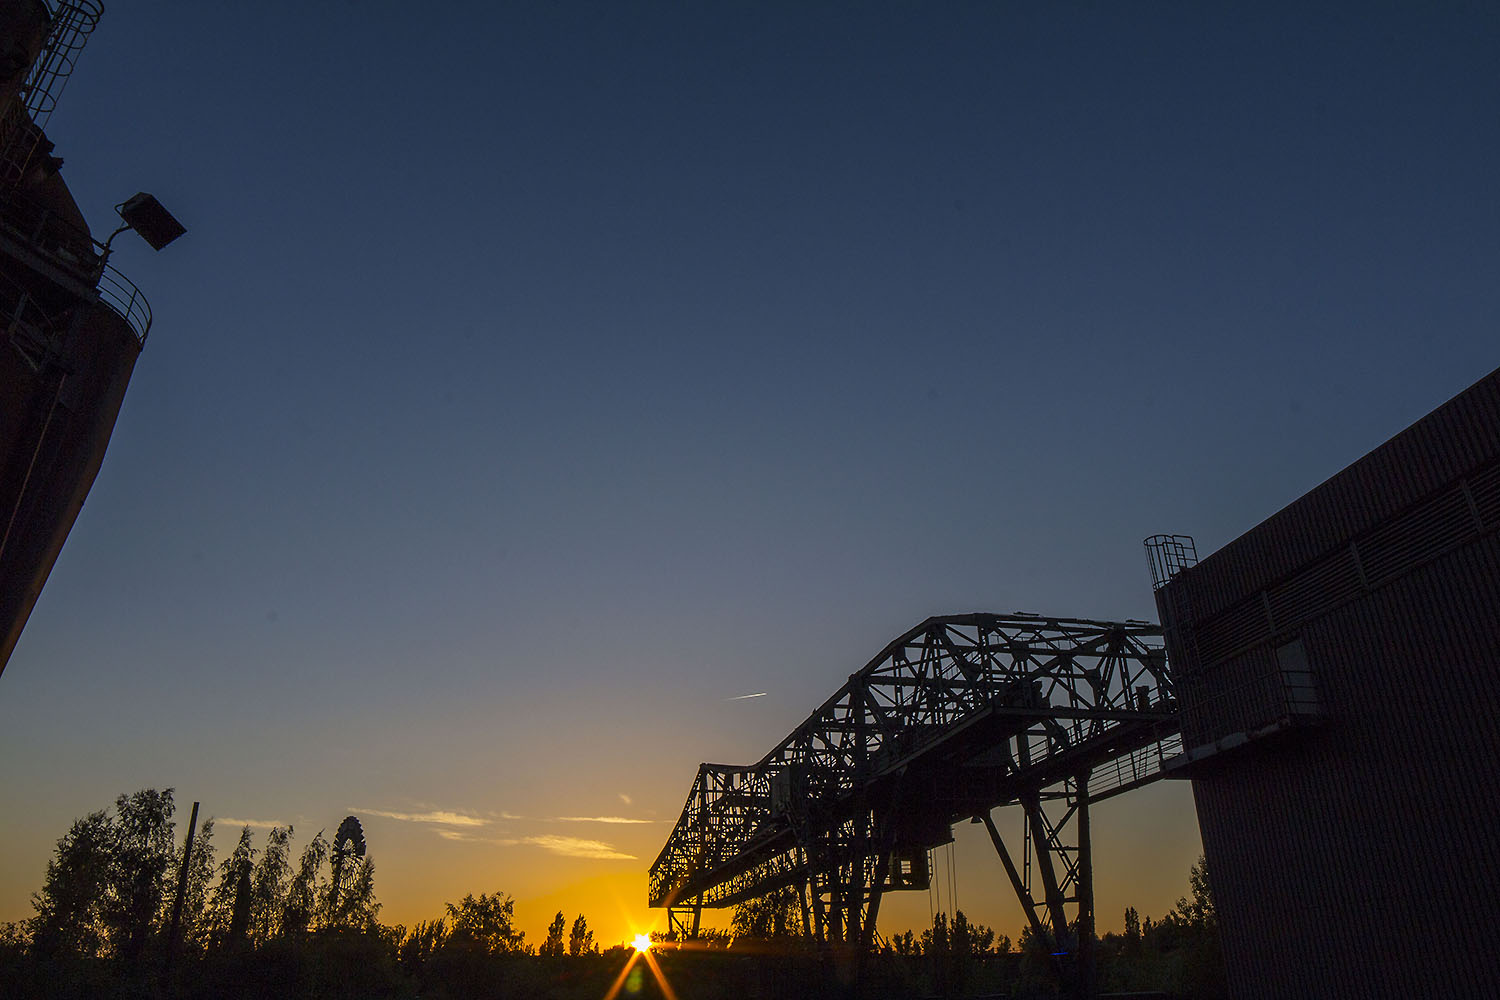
(420, 945)
(303, 891)
(239, 917)
(69, 907)
(952, 948)
(268, 886)
(221, 905)
(581, 940)
(1132, 930)
(1198, 912)
(357, 907)
(1196, 923)
(486, 924)
(778, 914)
(935, 938)
(1038, 966)
(1178, 954)
(935, 948)
(142, 852)
(982, 938)
(102, 893)
(553, 946)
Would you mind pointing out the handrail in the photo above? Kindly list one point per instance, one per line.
(122, 296)
(75, 251)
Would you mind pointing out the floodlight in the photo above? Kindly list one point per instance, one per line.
(146, 216)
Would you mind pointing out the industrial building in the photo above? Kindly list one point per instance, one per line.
(1337, 673)
(74, 326)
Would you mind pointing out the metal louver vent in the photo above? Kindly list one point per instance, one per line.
(1416, 536)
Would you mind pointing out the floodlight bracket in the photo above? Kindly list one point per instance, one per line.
(149, 219)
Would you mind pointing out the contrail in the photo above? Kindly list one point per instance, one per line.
(742, 697)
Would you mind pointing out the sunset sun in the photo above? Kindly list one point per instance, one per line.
(642, 942)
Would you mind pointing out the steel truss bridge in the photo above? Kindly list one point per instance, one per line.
(959, 716)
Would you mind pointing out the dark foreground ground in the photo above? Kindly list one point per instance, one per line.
(331, 967)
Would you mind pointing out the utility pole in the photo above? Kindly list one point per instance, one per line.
(182, 877)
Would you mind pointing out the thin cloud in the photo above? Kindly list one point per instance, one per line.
(577, 847)
(463, 837)
(626, 799)
(599, 819)
(568, 847)
(742, 697)
(258, 824)
(443, 817)
(574, 819)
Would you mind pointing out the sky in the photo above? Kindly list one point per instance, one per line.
(536, 378)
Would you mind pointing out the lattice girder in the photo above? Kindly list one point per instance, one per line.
(959, 715)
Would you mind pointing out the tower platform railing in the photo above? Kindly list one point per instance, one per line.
(61, 248)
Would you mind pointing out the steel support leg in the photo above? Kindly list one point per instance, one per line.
(678, 924)
(1037, 927)
(1084, 890)
(1050, 885)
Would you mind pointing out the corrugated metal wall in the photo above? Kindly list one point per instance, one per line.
(1358, 856)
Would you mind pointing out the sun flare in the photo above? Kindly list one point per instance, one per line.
(642, 942)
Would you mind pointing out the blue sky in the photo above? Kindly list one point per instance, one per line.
(534, 377)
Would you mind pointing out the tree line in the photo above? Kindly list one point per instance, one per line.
(1177, 955)
(258, 922)
(124, 907)
(108, 891)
